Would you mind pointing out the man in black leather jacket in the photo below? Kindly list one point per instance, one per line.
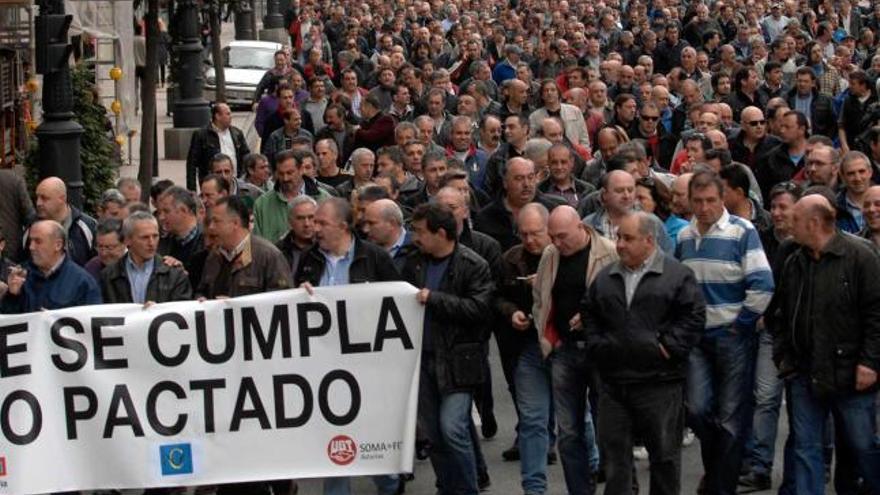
(827, 345)
(456, 288)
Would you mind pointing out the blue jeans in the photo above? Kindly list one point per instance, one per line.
(570, 385)
(386, 484)
(534, 400)
(855, 420)
(768, 399)
(446, 422)
(718, 406)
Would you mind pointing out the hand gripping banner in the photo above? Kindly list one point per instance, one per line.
(279, 385)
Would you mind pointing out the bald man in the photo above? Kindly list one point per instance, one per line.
(517, 99)
(79, 228)
(828, 342)
(383, 225)
(754, 141)
(566, 269)
(578, 97)
(50, 280)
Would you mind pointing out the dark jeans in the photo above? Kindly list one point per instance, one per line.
(445, 421)
(484, 399)
(719, 392)
(570, 375)
(655, 412)
(855, 424)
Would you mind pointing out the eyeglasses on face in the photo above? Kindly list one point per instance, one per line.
(649, 118)
(756, 123)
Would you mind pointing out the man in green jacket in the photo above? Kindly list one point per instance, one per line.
(271, 208)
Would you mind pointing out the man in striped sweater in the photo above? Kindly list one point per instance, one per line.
(725, 253)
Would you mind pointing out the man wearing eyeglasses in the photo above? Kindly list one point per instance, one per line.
(753, 142)
(823, 165)
(657, 139)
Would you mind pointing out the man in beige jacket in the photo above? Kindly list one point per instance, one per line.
(566, 269)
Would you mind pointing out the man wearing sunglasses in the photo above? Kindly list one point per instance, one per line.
(754, 141)
(658, 142)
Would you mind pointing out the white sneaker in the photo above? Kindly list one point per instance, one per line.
(688, 438)
(640, 453)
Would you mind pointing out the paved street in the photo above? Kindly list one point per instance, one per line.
(505, 475)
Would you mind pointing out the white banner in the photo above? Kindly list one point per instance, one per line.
(274, 386)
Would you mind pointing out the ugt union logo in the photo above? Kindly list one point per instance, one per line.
(342, 450)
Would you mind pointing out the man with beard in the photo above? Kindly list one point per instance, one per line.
(271, 208)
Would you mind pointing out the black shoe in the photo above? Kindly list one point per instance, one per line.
(551, 458)
(511, 454)
(754, 482)
(483, 481)
(423, 449)
(489, 427)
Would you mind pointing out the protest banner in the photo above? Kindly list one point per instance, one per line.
(278, 385)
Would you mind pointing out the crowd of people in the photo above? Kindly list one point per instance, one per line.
(663, 213)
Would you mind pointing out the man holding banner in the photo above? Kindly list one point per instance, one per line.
(242, 264)
(340, 258)
(456, 288)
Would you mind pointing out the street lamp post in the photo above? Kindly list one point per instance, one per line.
(59, 134)
(244, 20)
(274, 18)
(190, 107)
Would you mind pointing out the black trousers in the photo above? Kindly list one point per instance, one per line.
(653, 412)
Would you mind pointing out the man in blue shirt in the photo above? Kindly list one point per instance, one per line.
(50, 280)
(340, 258)
(141, 276)
(725, 253)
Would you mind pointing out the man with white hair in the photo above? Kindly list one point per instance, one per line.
(141, 276)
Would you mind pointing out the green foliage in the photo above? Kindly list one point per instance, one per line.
(98, 150)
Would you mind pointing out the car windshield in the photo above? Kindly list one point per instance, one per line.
(249, 58)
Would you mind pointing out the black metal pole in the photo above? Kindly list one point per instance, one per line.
(59, 134)
(244, 21)
(191, 108)
(274, 18)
